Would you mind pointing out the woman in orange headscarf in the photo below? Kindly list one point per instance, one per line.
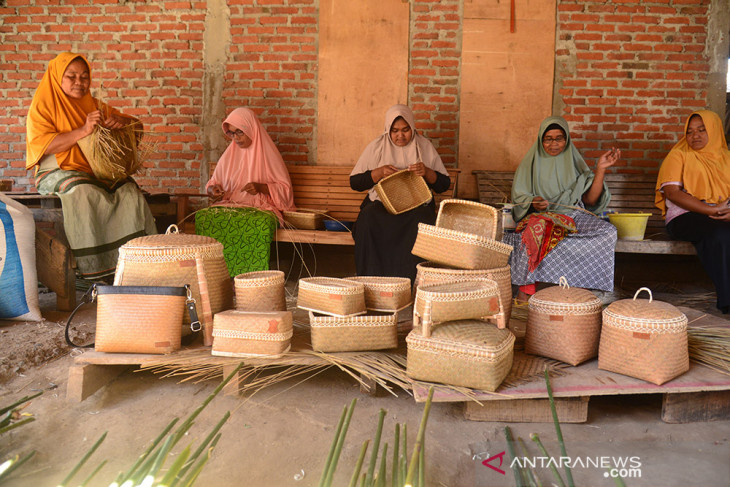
(693, 192)
(250, 188)
(99, 216)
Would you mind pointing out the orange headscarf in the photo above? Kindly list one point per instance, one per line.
(260, 162)
(704, 173)
(52, 112)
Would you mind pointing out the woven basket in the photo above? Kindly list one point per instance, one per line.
(354, 333)
(467, 353)
(459, 249)
(176, 259)
(245, 334)
(124, 160)
(260, 291)
(457, 301)
(563, 323)
(331, 296)
(303, 219)
(645, 339)
(402, 191)
(386, 294)
(468, 217)
(432, 273)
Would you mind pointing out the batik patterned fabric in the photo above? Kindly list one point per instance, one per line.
(541, 232)
(246, 235)
(585, 258)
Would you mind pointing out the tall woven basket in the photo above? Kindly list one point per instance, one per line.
(459, 249)
(331, 296)
(645, 339)
(467, 353)
(428, 273)
(354, 333)
(402, 191)
(438, 303)
(260, 291)
(176, 259)
(563, 323)
(385, 294)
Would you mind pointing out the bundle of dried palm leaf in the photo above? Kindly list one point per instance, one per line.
(710, 346)
(115, 154)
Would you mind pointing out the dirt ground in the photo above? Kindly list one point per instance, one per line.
(281, 436)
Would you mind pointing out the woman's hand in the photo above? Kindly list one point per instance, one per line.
(425, 172)
(540, 203)
(722, 212)
(608, 159)
(115, 122)
(381, 172)
(92, 120)
(256, 188)
(215, 192)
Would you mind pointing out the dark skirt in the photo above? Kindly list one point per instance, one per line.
(711, 239)
(383, 242)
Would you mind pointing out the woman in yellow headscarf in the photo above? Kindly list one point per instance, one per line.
(99, 216)
(693, 192)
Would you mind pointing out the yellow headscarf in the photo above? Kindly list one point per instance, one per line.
(704, 173)
(52, 112)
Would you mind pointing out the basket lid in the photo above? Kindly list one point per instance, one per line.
(647, 311)
(471, 336)
(565, 297)
(172, 238)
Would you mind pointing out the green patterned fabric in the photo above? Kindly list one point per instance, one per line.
(246, 235)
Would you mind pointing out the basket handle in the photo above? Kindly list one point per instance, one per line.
(644, 289)
(563, 282)
(172, 229)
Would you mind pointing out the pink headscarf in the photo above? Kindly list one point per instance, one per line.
(258, 163)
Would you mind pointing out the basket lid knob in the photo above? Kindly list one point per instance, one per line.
(644, 289)
(563, 282)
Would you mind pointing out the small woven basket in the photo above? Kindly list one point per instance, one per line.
(459, 249)
(245, 334)
(402, 191)
(457, 301)
(428, 273)
(563, 323)
(468, 217)
(304, 219)
(386, 294)
(645, 339)
(331, 296)
(260, 291)
(354, 333)
(467, 353)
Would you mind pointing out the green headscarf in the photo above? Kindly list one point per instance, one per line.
(559, 179)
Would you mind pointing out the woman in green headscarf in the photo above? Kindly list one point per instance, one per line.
(555, 236)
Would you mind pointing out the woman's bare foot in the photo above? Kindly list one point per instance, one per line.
(522, 297)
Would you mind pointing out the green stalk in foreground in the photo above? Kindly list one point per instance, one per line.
(394, 475)
(568, 473)
(376, 448)
(534, 437)
(11, 465)
(516, 468)
(383, 467)
(533, 479)
(81, 463)
(333, 447)
(340, 442)
(358, 466)
(419, 439)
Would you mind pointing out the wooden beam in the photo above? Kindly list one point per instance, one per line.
(569, 409)
(86, 379)
(691, 407)
(55, 267)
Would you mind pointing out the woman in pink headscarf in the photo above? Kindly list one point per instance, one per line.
(250, 188)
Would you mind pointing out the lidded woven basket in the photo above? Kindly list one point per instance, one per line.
(563, 323)
(176, 259)
(438, 303)
(467, 353)
(353, 333)
(459, 249)
(331, 296)
(468, 217)
(304, 219)
(260, 291)
(645, 339)
(428, 273)
(252, 334)
(386, 294)
(402, 191)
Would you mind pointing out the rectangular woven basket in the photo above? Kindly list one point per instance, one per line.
(387, 294)
(260, 291)
(252, 334)
(355, 333)
(331, 296)
(438, 303)
(468, 217)
(467, 353)
(459, 249)
(402, 191)
(304, 219)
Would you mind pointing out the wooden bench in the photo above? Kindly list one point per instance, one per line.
(630, 193)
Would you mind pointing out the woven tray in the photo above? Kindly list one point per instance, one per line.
(246, 334)
(260, 291)
(432, 273)
(304, 219)
(459, 249)
(387, 294)
(645, 339)
(468, 217)
(355, 333)
(456, 301)
(467, 353)
(403, 191)
(563, 323)
(331, 296)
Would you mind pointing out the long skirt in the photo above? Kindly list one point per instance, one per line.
(97, 218)
(585, 258)
(711, 239)
(383, 242)
(246, 235)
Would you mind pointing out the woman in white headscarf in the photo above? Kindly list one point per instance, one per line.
(383, 241)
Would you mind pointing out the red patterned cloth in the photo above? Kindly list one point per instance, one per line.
(541, 232)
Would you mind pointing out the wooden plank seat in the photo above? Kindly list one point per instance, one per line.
(630, 193)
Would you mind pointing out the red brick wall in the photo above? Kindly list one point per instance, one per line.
(629, 72)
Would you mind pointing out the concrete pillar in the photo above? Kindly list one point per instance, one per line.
(718, 50)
